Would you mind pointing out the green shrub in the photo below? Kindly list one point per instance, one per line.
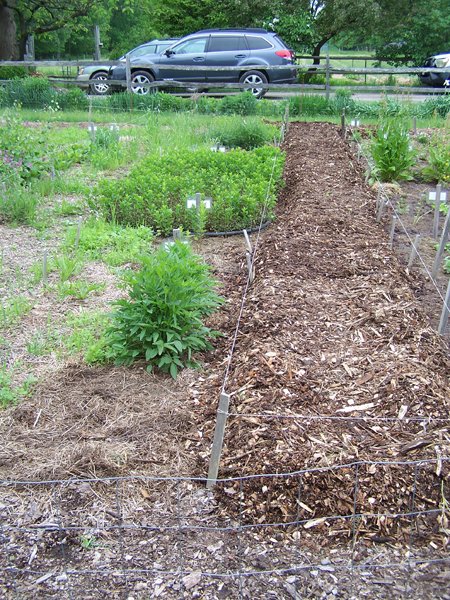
(308, 104)
(435, 106)
(392, 151)
(73, 99)
(342, 101)
(438, 167)
(246, 134)
(241, 104)
(13, 72)
(30, 92)
(161, 322)
(18, 206)
(154, 194)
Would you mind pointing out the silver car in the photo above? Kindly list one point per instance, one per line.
(93, 77)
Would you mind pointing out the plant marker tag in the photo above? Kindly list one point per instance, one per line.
(207, 203)
(222, 149)
(247, 241)
(355, 123)
(191, 203)
(432, 196)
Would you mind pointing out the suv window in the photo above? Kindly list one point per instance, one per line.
(194, 46)
(150, 49)
(258, 43)
(227, 43)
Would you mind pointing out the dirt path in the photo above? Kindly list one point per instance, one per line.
(330, 329)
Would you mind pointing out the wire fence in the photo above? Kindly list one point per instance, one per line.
(384, 201)
(140, 537)
(150, 536)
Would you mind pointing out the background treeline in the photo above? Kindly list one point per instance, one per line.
(397, 30)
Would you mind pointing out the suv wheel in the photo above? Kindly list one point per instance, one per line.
(252, 79)
(97, 86)
(140, 79)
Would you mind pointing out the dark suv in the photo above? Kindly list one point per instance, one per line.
(252, 52)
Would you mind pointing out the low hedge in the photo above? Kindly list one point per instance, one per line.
(155, 193)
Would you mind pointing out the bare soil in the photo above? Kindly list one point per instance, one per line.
(336, 361)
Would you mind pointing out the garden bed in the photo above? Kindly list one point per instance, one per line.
(331, 322)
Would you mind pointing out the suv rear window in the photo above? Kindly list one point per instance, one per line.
(226, 43)
(258, 43)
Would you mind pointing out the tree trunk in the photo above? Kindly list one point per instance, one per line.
(8, 40)
(316, 59)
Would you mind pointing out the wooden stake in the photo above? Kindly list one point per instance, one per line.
(445, 312)
(128, 73)
(380, 210)
(391, 235)
(44, 268)
(414, 125)
(437, 204)
(343, 131)
(251, 272)
(77, 237)
(414, 251)
(216, 451)
(442, 243)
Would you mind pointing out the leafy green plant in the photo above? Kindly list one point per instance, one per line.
(105, 138)
(68, 209)
(67, 266)
(29, 92)
(438, 167)
(392, 151)
(241, 104)
(86, 329)
(161, 322)
(10, 393)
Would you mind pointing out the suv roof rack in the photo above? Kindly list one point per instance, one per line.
(232, 29)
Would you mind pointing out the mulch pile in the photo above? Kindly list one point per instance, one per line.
(331, 327)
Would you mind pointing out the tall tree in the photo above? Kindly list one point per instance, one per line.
(411, 30)
(20, 18)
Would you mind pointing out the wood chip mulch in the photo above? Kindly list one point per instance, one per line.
(330, 327)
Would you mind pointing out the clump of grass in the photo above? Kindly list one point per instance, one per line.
(79, 289)
(12, 310)
(109, 242)
(245, 133)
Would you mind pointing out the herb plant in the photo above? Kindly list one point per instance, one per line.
(392, 151)
(161, 322)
